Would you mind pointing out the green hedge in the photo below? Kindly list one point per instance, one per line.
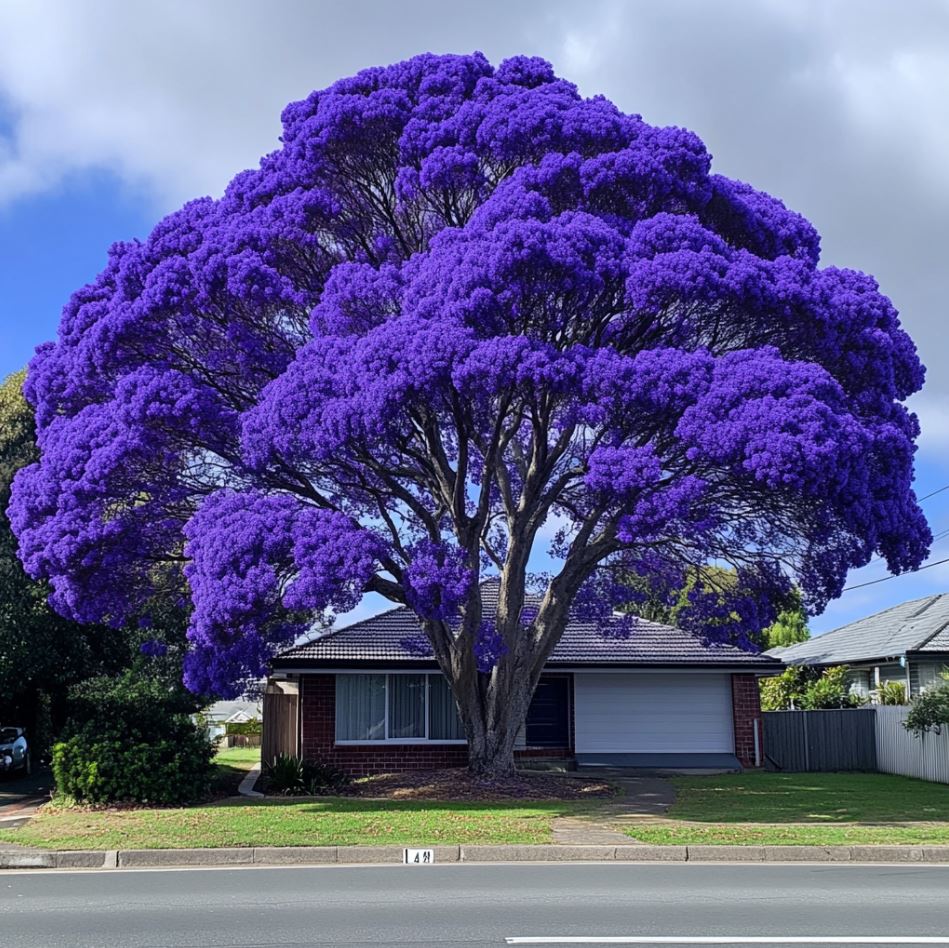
(253, 726)
(173, 767)
(131, 739)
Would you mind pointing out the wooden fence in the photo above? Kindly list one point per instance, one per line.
(820, 740)
(280, 726)
(241, 740)
(901, 752)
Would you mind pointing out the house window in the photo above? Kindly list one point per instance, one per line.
(360, 707)
(399, 709)
(443, 721)
(407, 706)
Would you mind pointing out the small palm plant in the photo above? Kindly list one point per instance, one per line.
(285, 775)
(891, 692)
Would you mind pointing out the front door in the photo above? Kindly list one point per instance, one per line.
(548, 713)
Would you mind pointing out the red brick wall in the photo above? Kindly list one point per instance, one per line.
(746, 708)
(318, 731)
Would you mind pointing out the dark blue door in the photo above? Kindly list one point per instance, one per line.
(548, 713)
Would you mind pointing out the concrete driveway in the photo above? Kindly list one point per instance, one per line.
(20, 796)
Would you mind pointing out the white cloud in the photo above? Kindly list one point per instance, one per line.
(845, 115)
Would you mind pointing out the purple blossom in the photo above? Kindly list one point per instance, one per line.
(489, 646)
(416, 645)
(458, 298)
(437, 580)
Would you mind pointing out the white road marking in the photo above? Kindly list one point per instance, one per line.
(727, 940)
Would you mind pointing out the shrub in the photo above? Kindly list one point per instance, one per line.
(322, 778)
(131, 739)
(929, 712)
(284, 775)
(253, 726)
(808, 689)
(292, 776)
(96, 766)
(830, 690)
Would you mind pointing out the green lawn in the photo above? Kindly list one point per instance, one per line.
(232, 764)
(327, 821)
(804, 809)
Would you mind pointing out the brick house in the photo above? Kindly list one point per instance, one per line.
(364, 699)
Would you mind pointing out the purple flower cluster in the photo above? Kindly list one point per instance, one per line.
(437, 580)
(456, 291)
(489, 646)
(256, 561)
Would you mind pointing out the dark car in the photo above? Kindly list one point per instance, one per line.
(14, 752)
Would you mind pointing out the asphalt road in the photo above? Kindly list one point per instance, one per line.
(466, 905)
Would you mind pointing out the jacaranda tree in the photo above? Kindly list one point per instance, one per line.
(460, 303)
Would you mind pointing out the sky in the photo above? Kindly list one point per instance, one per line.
(113, 114)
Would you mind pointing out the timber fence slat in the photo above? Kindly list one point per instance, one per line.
(797, 741)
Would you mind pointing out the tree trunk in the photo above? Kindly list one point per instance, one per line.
(494, 710)
(491, 749)
(493, 705)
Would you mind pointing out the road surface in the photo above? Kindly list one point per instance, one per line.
(471, 905)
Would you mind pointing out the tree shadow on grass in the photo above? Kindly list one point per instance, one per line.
(871, 799)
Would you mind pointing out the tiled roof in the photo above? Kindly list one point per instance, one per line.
(938, 643)
(389, 638)
(917, 625)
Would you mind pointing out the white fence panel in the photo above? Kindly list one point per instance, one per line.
(900, 752)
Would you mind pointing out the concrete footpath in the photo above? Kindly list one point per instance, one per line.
(380, 855)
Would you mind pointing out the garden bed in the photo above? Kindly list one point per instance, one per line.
(456, 783)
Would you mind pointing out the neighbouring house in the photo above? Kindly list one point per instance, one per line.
(367, 699)
(908, 643)
(218, 715)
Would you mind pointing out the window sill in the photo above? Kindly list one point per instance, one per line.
(400, 742)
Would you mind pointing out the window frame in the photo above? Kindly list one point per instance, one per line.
(393, 741)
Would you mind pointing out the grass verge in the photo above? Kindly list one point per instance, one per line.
(802, 809)
(329, 821)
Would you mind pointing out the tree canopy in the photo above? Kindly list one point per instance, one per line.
(689, 606)
(457, 303)
(41, 652)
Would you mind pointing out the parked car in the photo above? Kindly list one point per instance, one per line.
(14, 751)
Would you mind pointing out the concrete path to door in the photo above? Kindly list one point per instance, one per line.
(640, 798)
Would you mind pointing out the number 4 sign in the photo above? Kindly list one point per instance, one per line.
(419, 857)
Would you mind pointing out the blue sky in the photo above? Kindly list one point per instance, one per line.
(112, 114)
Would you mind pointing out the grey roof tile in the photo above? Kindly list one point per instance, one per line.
(382, 639)
(917, 625)
(938, 643)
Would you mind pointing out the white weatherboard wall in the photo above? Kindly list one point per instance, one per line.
(901, 752)
(658, 713)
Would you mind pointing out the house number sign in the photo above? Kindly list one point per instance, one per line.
(419, 857)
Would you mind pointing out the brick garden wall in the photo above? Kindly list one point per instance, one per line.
(746, 708)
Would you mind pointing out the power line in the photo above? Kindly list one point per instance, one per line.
(873, 582)
(933, 493)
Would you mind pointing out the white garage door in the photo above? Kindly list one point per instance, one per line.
(651, 713)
